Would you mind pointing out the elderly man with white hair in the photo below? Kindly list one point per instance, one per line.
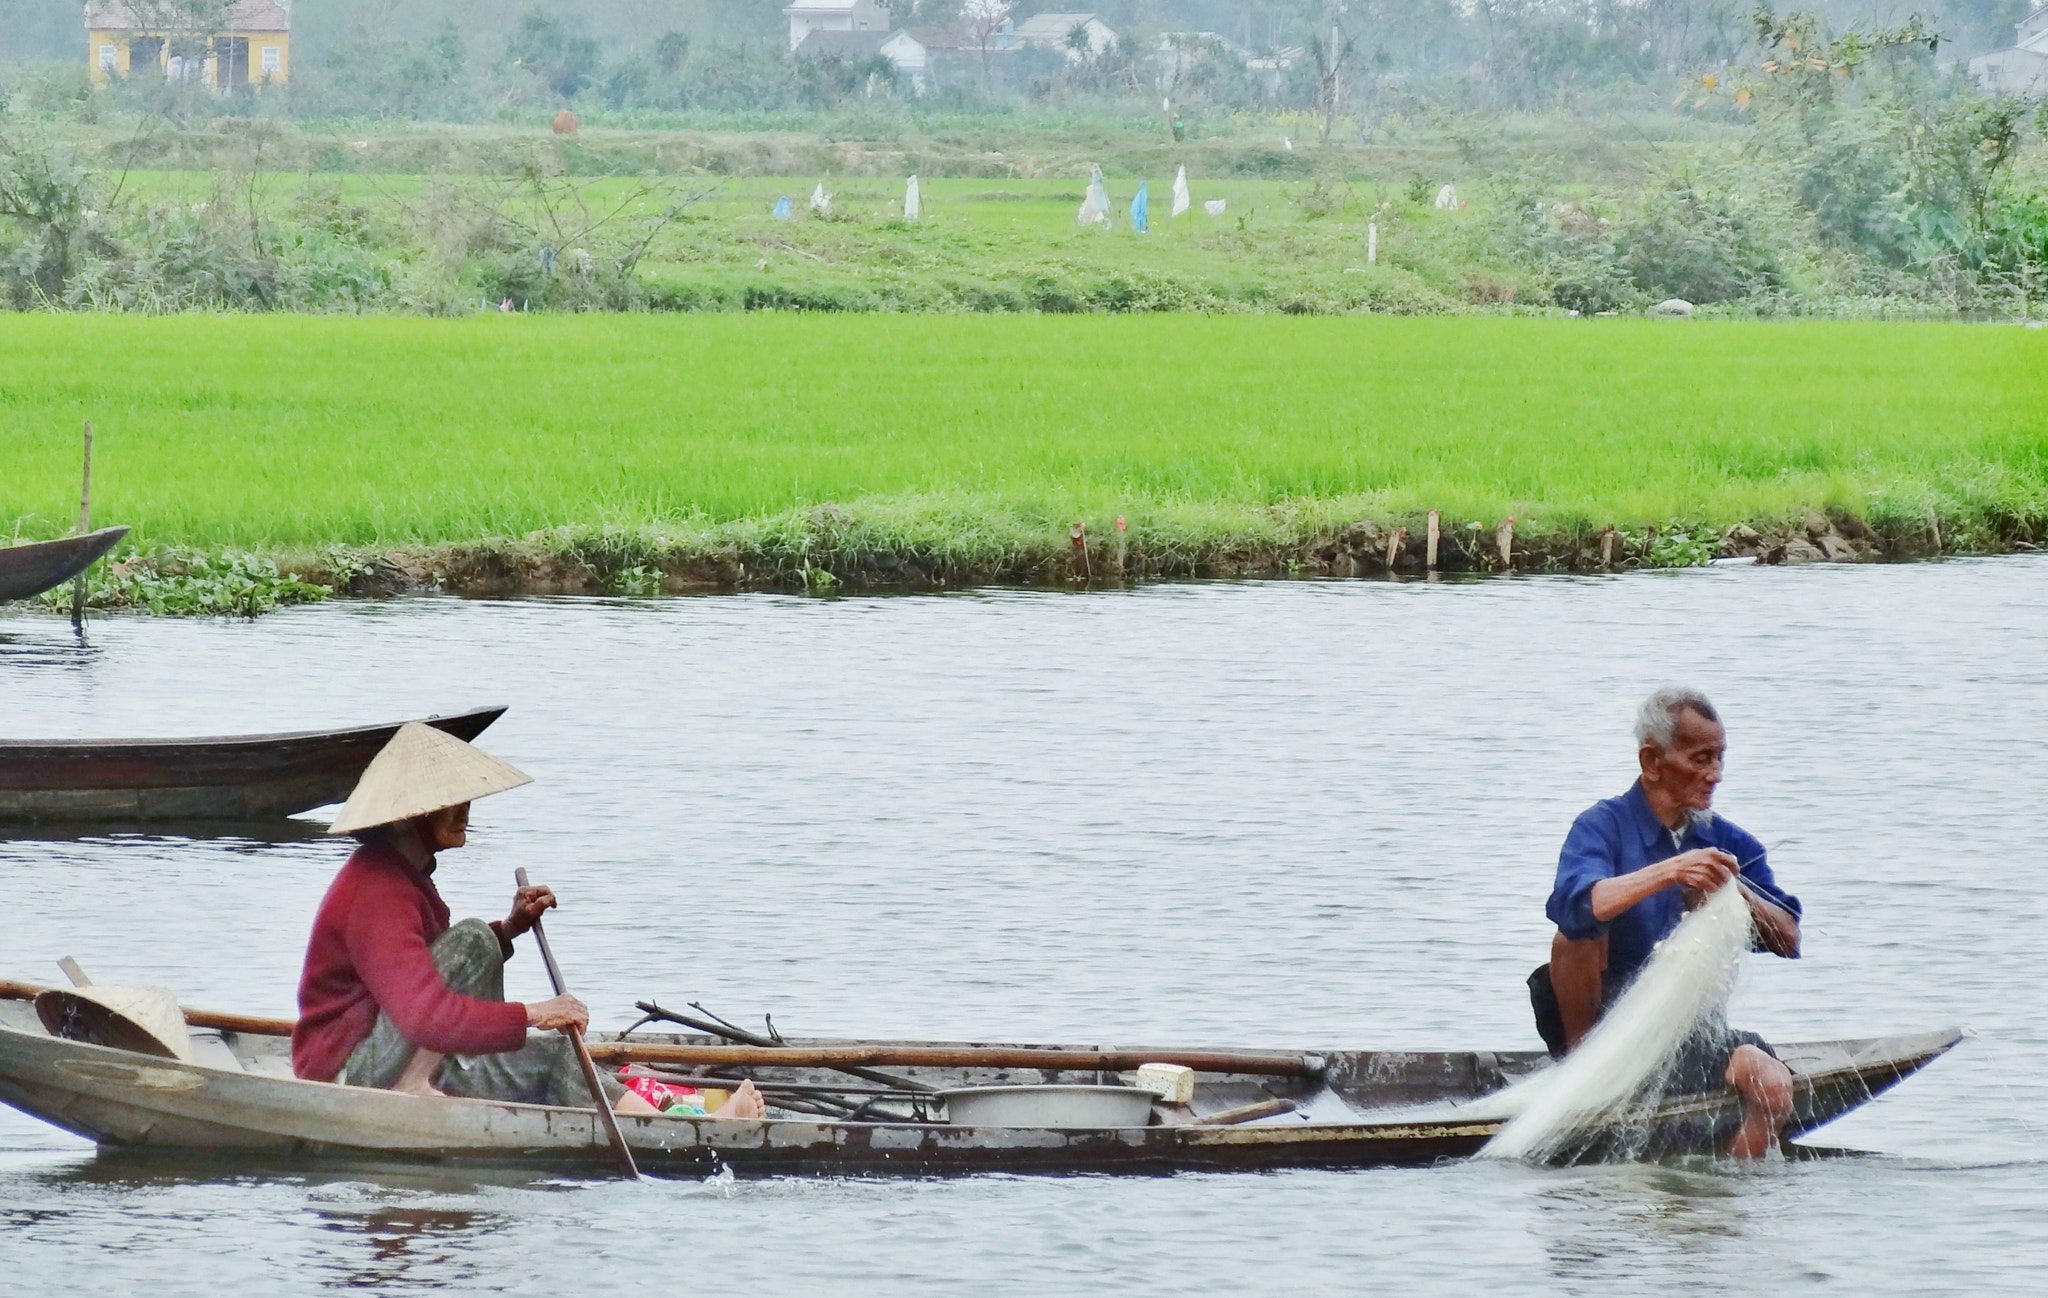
(1630, 869)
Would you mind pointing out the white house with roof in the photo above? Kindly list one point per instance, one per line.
(2022, 67)
(905, 52)
(1057, 32)
(807, 16)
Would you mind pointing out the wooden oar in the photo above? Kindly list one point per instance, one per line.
(1202, 1061)
(604, 1109)
(1273, 1064)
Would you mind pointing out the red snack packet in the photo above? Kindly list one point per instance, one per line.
(660, 1094)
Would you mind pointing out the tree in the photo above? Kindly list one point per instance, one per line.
(1803, 70)
(51, 199)
(984, 18)
(671, 51)
(1331, 52)
(565, 64)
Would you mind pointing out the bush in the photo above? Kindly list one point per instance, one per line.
(1681, 241)
(178, 582)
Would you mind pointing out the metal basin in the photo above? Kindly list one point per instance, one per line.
(1048, 1106)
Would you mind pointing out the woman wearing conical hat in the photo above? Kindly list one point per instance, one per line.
(393, 995)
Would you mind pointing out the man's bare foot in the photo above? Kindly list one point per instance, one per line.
(746, 1102)
(418, 1077)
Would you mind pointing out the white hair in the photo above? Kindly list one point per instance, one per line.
(1657, 719)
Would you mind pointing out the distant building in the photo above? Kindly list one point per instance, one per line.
(1057, 32)
(151, 37)
(807, 16)
(904, 51)
(1178, 51)
(2022, 67)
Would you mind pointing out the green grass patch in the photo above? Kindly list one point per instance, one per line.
(984, 434)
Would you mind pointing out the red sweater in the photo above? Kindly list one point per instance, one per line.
(369, 951)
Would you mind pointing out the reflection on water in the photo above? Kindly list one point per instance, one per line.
(1263, 815)
(41, 649)
(401, 1242)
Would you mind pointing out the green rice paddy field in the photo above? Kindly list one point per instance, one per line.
(286, 434)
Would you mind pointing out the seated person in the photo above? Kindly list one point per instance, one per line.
(395, 997)
(1631, 868)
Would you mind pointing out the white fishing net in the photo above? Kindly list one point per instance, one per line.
(1618, 1070)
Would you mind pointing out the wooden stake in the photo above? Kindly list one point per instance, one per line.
(1504, 538)
(84, 526)
(606, 1118)
(1436, 532)
(1394, 540)
(1607, 547)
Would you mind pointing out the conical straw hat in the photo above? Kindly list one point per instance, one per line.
(421, 770)
(146, 1020)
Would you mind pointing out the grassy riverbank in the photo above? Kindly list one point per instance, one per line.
(569, 451)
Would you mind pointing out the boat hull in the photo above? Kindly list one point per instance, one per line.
(137, 1104)
(26, 571)
(239, 777)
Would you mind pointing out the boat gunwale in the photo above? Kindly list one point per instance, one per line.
(15, 749)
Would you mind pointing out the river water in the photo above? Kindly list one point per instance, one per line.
(1293, 814)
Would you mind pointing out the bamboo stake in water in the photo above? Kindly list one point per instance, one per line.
(84, 526)
(604, 1110)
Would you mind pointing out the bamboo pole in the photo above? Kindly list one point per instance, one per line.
(1265, 1064)
(606, 1118)
(84, 526)
(901, 1056)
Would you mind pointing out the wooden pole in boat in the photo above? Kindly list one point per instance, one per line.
(84, 526)
(605, 1115)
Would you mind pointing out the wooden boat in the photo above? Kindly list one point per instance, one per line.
(28, 570)
(1350, 1108)
(237, 777)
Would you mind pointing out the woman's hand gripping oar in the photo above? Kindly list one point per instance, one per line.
(590, 1078)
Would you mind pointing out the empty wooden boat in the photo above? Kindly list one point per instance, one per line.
(1332, 1108)
(235, 777)
(28, 570)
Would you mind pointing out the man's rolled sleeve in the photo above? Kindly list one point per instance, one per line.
(1588, 857)
(1756, 872)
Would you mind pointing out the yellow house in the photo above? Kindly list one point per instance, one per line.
(249, 44)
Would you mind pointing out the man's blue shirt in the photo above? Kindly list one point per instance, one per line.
(1622, 835)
